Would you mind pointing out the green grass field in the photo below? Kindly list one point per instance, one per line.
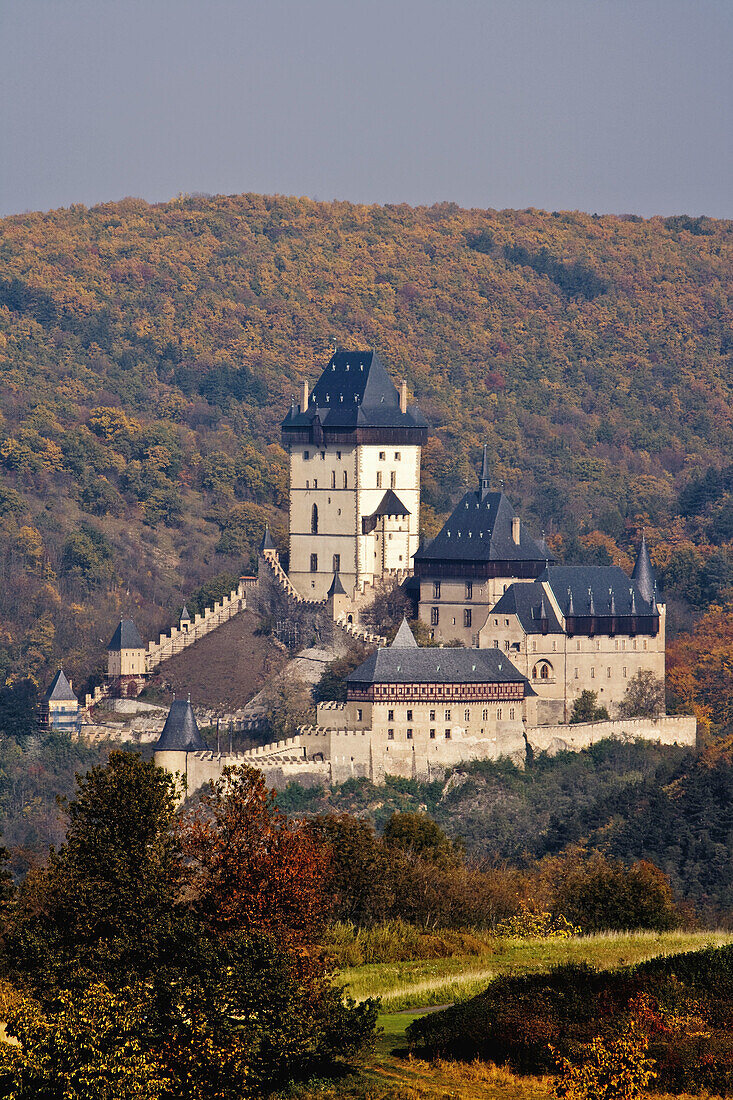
(424, 982)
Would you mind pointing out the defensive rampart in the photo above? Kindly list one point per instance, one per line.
(667, 729)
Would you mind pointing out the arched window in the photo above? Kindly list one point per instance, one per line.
(542, 671)
(314, 520)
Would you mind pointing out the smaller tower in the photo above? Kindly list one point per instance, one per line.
(126, 661)
(60, 707)
(643, 573)
(185, 620)
(180, 737)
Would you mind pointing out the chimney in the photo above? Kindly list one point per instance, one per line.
(515, 530)
(403, 396)
(304, 398)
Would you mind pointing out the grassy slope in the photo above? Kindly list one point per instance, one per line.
(397, 1079)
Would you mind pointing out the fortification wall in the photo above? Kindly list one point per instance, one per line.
(179, 637)
(667, 729)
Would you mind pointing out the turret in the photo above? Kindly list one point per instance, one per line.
(643, 573)
(484, 475)
(126, 660)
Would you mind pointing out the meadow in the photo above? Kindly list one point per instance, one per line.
(407, 988)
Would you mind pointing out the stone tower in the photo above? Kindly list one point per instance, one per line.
(354, 448)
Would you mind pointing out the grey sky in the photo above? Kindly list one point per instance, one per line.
(600, 105)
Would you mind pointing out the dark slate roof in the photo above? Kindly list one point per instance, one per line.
(596, 590)
(531, 605)
(60, 690)
(400, 665)
(267, 543)
(643, 573)
(391, 505)
(126, 636)
(404, 638)
(185, 617)
(480, 529)
(355, 391)
(337, 588)
(180, 731)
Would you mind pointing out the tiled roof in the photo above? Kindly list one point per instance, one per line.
(402, 664)
(60, 690)
(530, 604)
(480, 529)
(180, 731)
(597, 590)
(126, 636)
(355, 391)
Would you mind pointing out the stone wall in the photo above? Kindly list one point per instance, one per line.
(667, 729)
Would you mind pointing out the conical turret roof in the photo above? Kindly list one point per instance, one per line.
(60, 690)
(267, 543)
(644, 572)
(126, 636)
(404, 638)
(337, 588)
(185, 617)
(180, 731)
(484, 476)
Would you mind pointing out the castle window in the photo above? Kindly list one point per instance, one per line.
(592, 674)
(506, 646)
(390, 716)
(333, 479)
(625, 672)
(346, 480)
(496, 643)
(338, 455)
(379, 479)
(314, 520)
(575, 677)
(511, 712)
(432, 715)
(307, 484)
(577, 644)
(447, 735)
(545, 672)
(447, 716)
(358, 715)
(434, 616)
(381, 456)
(432, 735)
(390, 735)
(469, 590)
(409, 716)
(484, 715)
(645, 644)
(336, 563)
(436, 590)
(314, 563)
(534, 645)
(323, 456)
(467, 616)
(306, 455)
(608, 672)
(467, 715)
(397, 456)
(409, 733)
(315, 483)
(498, 714)
(392, 480)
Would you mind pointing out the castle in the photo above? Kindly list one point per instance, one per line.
(532, 635)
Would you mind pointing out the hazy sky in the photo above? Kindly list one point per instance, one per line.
(600, 105)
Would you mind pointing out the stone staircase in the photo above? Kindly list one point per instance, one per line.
(180, 637)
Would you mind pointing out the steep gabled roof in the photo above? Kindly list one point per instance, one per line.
(407, 664)
(180, 732)
(60, 690)
(185, 617)
(355, 391)
(391, 505)
(126, 636)
(480, 529)
(597, 590)
(529, 604)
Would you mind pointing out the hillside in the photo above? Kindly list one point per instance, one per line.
(148, 353)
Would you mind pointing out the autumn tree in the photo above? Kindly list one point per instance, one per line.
(644, 696)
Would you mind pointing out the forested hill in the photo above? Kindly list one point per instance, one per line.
(148, 353)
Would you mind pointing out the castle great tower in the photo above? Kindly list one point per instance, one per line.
(354, 446)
